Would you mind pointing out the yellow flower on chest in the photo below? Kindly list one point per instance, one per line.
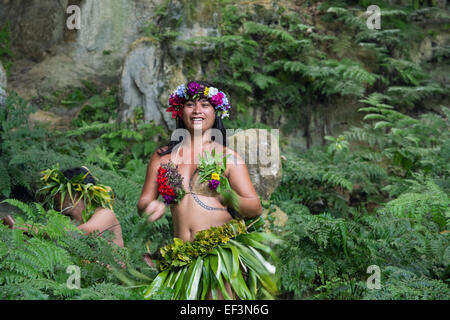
(215, 176)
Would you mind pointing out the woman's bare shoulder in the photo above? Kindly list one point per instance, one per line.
(156, 157)
(233, 156)
(104, 214)
(159, 150)
(101, 219)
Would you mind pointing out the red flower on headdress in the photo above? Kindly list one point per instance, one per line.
(174, 111)
(176, 105)
(175, 100)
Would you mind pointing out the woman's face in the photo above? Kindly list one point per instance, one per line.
(67, 204)
(198, 114)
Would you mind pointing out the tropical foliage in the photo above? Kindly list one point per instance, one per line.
(376, 193)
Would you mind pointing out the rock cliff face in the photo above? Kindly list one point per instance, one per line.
(49, 56)
(35, 26)
(112, 48)
(152, 70)
(107, 49)
(143, 78)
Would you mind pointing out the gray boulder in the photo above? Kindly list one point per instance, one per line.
(260, 150)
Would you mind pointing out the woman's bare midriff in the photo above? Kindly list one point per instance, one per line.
(188, 216)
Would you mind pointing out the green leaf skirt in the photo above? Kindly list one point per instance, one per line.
(190, 270)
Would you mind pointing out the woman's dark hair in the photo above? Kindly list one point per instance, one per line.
(218, 124)
(73, 172)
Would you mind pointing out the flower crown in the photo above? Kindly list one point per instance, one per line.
(193, 91)
(93, 195)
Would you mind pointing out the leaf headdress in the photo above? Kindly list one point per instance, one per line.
(93, 195)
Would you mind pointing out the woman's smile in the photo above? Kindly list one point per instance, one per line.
(197, 121)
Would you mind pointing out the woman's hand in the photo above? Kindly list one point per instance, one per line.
(154, 210)
(9, 221)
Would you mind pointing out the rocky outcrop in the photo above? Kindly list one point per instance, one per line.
(34, 26)
(50, 57)
(51, 120)
(260, 150)
(108, 28)
(152, 71)
(278, 217)
(143, 78)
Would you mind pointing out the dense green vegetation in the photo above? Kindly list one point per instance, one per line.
(5, 51)
(375, 194)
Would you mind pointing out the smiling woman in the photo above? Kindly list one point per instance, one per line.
(191, 107)
(203, 222)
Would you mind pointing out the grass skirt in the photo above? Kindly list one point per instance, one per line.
(189, 270)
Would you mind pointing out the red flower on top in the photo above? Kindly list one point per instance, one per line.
(164, 188)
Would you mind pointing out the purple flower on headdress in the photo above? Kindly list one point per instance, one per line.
(193, 88)
(213, 184)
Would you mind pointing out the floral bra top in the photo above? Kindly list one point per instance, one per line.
(170, 185)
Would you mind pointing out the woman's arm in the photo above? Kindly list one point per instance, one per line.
(102, 220)
(239, 178)
(9, 221)
(148, 204)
